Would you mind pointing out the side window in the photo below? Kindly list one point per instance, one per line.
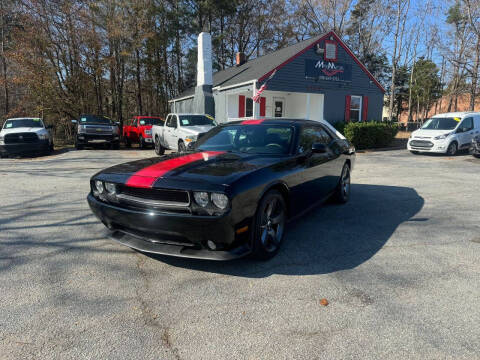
(467, 124)
(311, 135)
(172, 121)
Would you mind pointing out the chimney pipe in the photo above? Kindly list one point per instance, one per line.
(241, 58)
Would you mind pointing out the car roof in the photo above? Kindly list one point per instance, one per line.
(456, 114)
(25, 117)
(272, 121)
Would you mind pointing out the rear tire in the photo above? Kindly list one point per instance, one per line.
(269, 226)
(452, 149)
(159, 149)
(181, 147)
(342, 193)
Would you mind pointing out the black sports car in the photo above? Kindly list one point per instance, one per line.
(231, 196)
(475, 149)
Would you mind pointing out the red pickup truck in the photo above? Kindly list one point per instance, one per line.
(139, 130)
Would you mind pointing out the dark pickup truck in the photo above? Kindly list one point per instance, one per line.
(94, 130)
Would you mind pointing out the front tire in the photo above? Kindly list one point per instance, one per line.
(269, 226)
(452, 149)
(127, 142)
(414, 152)
(159, 149)
(342, 193)
(78, 146)
(181, 147)
(141, 143)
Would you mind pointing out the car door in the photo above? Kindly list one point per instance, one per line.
(170, 133)
(314, 181)
(465, 133)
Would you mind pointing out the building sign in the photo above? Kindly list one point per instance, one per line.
(327, 70)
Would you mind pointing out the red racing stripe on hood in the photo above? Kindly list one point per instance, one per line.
(252, 122)
(147, 176)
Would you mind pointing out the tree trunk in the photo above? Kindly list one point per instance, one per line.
(139, 82)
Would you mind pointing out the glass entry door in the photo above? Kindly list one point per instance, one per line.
(278, 107)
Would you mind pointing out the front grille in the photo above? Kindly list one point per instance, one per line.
(421, 143)
(20, 138)
(167, 195)
(98, 130)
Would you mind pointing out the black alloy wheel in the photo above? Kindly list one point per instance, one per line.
(452, 149)
(159, 149)
(342, 194)
(181, 147)
(269, 226)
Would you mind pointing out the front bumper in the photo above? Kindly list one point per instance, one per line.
(437, 146)
(24, 148)
(92, 139)
(174, 234)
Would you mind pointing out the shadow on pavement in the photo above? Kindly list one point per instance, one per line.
(329, 238)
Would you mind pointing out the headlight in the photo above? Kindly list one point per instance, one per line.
(99, 186)
(191, 138)
(441, 137)
(82, 129)
(43, 136)
(201, 198)
(111, 188)
(148, 132)
(220, 200)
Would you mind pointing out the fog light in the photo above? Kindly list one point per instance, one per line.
(99, 186)
(111, 188)
(211, 245)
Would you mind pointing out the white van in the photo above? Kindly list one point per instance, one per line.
(446, 133)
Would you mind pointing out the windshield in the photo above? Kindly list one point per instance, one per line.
(441, 124)
(95, 119)
(151, 121)
(33, 123)
(252, 139)
(194, 120)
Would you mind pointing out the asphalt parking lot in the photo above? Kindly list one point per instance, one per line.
(399, 266)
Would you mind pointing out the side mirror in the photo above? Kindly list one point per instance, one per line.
(319, 148)
(74, 121)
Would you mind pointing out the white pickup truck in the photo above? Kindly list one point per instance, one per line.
(180, 130)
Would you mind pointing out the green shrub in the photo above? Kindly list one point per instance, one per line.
(369, 135)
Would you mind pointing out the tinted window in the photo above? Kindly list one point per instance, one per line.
(441, 124)
(94, 119)
(311, 135)
(253, 139)
(194, 120)
(33, 123)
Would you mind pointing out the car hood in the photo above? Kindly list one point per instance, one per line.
(429, 134)
(194, 130)
(24, 129)
(199, 170)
